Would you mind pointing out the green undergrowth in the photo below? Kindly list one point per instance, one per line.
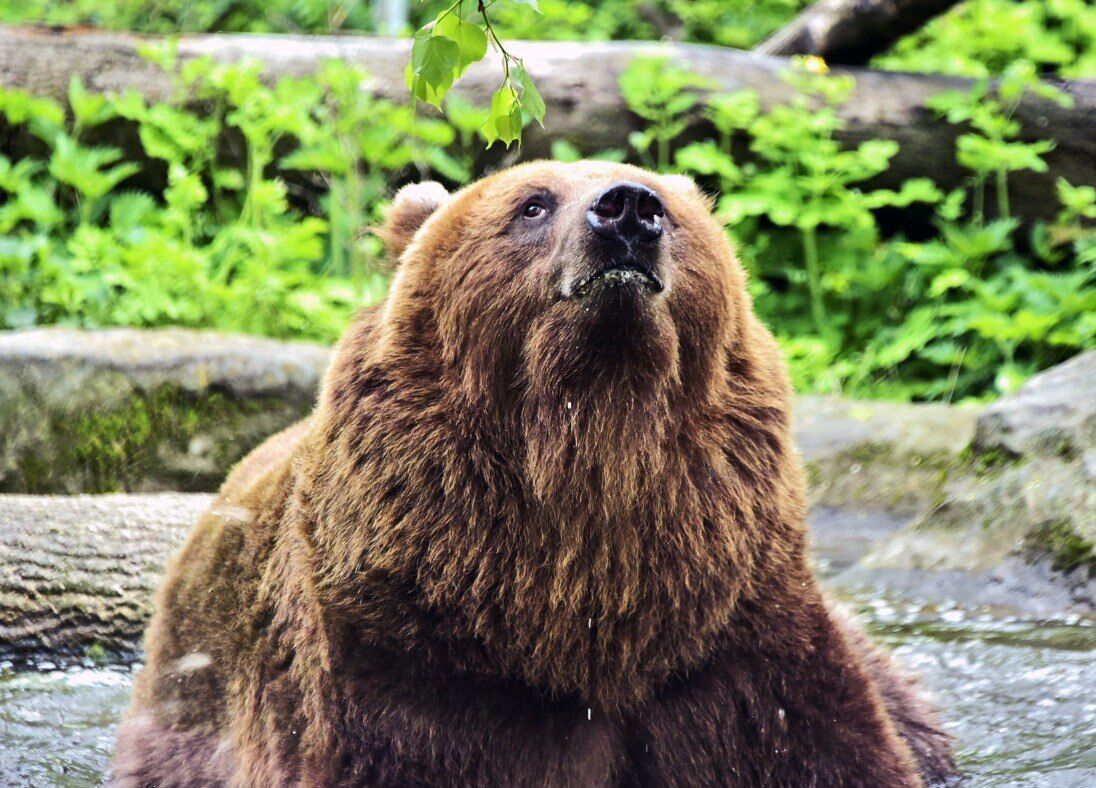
(250, 205)
(975, 37)
(969, 308)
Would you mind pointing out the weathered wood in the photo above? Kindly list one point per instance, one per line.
(851, 32)
(78, 573)
(580, 83)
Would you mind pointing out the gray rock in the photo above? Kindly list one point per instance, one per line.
(1015, 586)
(1019, 515)
(194, 361)
(889, 456)
(1053, 414)
(132, 409)
(825, 427)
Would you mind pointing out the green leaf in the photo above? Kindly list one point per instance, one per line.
(504, 116)
(88, 109)
(531, 99)
(434, 63)
(469, 37)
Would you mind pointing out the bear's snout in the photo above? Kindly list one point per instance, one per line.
(623, 244)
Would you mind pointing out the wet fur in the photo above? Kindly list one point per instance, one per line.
(523, 543)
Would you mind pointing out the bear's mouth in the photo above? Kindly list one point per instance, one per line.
(620, 274)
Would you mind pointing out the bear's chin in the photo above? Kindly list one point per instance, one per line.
(601, 379)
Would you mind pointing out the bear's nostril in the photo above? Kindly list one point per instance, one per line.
(649, 207)
(610, 205)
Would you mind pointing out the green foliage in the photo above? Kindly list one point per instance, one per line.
(662, 94)
(991, 147)
(252, 214)
(222, 242)
(959, 314)
(738, 23)
(193, 16)
(976, 38)
(982, 37)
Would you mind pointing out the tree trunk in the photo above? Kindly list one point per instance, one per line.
(78, 573)
(851, 32)
(580, 83)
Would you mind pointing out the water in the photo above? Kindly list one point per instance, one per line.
(1020, 697)
(57, 726)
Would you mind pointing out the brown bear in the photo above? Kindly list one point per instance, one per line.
(545, 527)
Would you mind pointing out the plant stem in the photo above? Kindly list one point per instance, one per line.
(979, 198)
(1002, 194)
(814, 277)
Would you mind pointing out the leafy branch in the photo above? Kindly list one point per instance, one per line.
(444, 49)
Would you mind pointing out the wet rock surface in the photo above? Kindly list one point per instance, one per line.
(1014, 522)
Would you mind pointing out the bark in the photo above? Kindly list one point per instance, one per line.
(851, 31)
(79, 573)
(579, 82)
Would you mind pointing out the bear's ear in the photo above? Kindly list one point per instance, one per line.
(411, 206)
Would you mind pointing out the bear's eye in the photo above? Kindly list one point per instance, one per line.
(534, 209)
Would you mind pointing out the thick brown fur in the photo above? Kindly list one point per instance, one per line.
(524, 539)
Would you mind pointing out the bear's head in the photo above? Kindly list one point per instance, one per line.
(584, 305)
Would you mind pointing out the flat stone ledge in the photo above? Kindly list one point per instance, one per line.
(825, 427)
(195, 361)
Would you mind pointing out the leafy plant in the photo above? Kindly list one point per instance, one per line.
(224, 242)
(799, 176)
(978, 38)
(662, 94)
(958, 314)
(991, 148)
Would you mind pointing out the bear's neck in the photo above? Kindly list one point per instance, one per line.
(431, 535)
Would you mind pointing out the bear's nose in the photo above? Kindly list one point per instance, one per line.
(628, 212)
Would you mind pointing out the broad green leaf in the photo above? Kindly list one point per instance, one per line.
(434, 63)
(469, 37)
(504, 117)
(531, 100)
(88, 109)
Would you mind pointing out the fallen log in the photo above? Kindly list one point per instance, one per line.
(580, 85)
(77, 573)
(851, 32)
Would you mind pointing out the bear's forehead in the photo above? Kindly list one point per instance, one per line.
(570, 177)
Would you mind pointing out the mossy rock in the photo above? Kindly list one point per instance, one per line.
(143, 410)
